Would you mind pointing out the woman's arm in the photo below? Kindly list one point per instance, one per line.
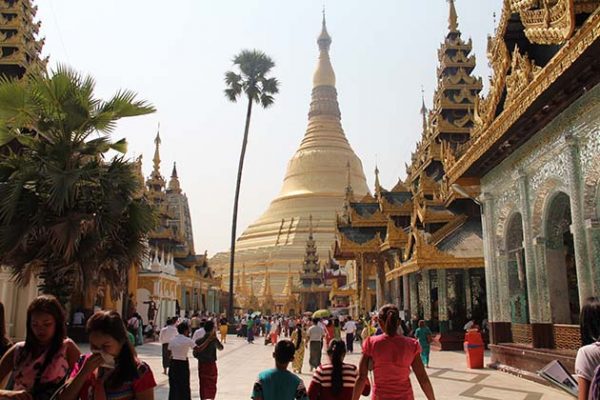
(419, 370)
(584, 388)
(6, 363)
(363, 371)
(74, 386)
(73, 354)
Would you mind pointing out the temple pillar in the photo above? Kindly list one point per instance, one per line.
(406, 295)
(443, 300)
(425, 295)
(584, 276)
(592, 230)
(468, 293)
(502, 282)
(380, 281)
(539, 246)
(533, 297)
(414, 299)
(491, 282)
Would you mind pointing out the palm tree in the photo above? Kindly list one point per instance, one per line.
(251, 82)
(67, 213)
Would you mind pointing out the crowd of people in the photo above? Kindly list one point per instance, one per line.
(48, 365)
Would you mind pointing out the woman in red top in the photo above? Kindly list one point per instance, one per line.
(335, 381)
(112, 371)
(392, 357)
(329, 332)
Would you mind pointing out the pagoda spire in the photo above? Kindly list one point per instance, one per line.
(156, 158)
(423, 110)
(266, 290)
(324, 75)
(287, 290)
(452, 17)
(174, 184)
(377, 184)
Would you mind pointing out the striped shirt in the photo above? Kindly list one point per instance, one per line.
(321, 388)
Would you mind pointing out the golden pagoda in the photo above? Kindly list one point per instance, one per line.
(314, 184)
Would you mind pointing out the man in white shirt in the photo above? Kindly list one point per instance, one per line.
(350, 329)
(166, 335)
(315, 336)
(199, 334)
(179, 371)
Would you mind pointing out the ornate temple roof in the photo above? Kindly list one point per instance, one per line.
(543, 58)
(19, 47)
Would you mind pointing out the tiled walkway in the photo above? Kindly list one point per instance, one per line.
(240, 363)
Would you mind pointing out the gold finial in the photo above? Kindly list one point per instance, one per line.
(324, 39)
(423, 109)
(452, 18)
(377, 184)
(156, 158)
(324, 75)
(348, 177)
(310, 227)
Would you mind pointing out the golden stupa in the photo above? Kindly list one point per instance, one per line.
(315, 184)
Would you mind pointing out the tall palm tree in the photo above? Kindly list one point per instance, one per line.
(68, 213)
(250, 81)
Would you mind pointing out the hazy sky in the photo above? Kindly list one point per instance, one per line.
(174, 54)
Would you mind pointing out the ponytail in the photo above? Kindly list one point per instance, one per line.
(389, 318)
(337, 351)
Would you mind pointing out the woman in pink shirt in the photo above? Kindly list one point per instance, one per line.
(392, 357)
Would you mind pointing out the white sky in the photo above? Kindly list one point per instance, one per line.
(175, 53)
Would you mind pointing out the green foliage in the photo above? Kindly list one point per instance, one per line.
(252, 80)
(67, 212)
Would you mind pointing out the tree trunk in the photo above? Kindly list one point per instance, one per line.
(235, 211)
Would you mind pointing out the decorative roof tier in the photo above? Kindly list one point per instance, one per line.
(19, 47)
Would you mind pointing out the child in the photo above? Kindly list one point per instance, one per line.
(278, 383)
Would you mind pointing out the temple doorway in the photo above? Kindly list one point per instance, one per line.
(560, 260)
(517, 278)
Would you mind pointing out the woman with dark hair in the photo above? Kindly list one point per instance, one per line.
(278, 383)
(39, 365)
(336, 380)
(5, 342)
(112, 370)
(588, 356)
(392, 356)
(206, 353)
(300, 342)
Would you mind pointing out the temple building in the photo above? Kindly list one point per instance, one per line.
(20, 51)
(173, 279)
(20, 47)
(314, 184)
(535, 153)
(420, 245)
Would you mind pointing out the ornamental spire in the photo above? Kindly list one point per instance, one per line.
(324, 75)
(452, 18)
(423, 110)
(174, 185)
(377, 184)
(156, 158)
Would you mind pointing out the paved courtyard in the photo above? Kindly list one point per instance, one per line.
(239, 364)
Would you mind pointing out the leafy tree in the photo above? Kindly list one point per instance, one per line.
(252, 82)
(68, 212)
